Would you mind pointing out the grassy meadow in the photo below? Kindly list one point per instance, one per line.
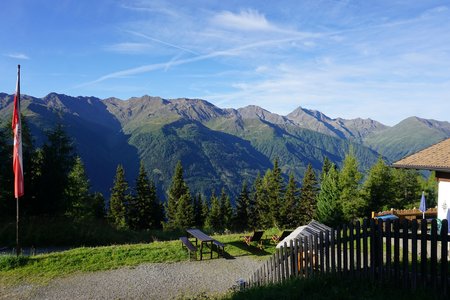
(44, 267)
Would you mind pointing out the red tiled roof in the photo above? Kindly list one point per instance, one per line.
(435, 157)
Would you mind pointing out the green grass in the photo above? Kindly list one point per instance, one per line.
(326, 287)
(42, 268)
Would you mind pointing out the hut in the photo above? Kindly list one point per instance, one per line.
(312, 228)
(434, 158)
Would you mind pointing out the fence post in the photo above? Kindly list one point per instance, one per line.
(365, 248)
(423, 252)
(358, 248)
(339, 250)
(333, 251)
(379, 249)
(315, 238)
(327, 251)
(296, 257)
(405, 256)
(397, 250)
(387, 228)
(351, 245)
(373, 251)
(321, 252)
(286, 260)
(444, 257)
(433, 267)
(414, 255)
(344, 248)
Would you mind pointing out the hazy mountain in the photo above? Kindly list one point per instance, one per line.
(218, 147)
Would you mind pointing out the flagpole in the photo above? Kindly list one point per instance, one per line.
(17, 227)
(17, 157)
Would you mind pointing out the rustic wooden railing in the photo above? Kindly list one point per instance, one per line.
(410, 253)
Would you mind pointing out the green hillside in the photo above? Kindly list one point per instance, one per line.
(407, 137)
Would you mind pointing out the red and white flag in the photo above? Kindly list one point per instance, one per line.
(17, 153)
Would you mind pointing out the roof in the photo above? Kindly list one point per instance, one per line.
(312, 228)
(435, 158)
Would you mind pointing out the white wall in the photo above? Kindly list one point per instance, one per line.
(443, 199)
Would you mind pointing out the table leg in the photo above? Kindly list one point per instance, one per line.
(201, 250)
(211, 249)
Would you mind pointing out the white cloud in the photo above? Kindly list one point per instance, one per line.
(17, 56)
(249, 19)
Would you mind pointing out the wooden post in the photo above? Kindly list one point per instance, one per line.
(405, 257)
(387, 228)
(433, 266)
(358, 248)
(423, 252)
(414, 255)
(444, 257)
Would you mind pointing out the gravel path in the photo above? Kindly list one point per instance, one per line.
(146, 281)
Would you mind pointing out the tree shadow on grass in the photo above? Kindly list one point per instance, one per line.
(252, 249)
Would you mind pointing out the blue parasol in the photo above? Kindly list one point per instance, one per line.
(423, 205)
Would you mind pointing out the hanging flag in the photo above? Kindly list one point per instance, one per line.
(17, 152)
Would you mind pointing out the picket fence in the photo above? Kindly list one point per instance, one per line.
(410, 253)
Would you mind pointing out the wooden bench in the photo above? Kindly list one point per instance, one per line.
(219, 246)
(191, 248)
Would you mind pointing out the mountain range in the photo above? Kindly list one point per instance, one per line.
(217, 147)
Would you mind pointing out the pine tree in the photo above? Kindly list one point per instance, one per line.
(406, 188)
(308, 196)
(58, 158)
(214, 219)
(81, 204)
(289, 211)
(378, 188)
(198, 211)
(430, 187)
(326, 166)
(177, 189)
(241, 221)
(275, 189)
(263, 214)
(226, 210)
(119, 199)
(144, 205)
(205, 211)
(184, 217)
(353, 205)
(329, 210)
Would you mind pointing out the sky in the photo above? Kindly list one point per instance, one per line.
(384, 60)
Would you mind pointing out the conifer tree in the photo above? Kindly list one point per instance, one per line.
(352, 203)
(177, 189)
(289, 211)
(226, 210)
(184, 217)
(326, 166)
(308, 196)
(58, 158)
(205, 211)
(119, 199)
(263, 207)
(81, 204)
(329, 210)
(214, 219)
(378, 187)
(241, 221)
(430, 187)
(144, 205)
(198, 210)
(275, 190)
(406, 188)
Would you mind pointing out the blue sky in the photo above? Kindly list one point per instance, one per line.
(384, 60)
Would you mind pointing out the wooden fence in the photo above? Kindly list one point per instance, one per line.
(410, 253)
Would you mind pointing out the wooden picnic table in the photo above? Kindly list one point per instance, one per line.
(203, 238)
